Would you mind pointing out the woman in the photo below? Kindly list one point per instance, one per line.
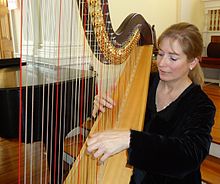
(176, 136)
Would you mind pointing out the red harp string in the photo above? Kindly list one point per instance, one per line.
(57, 96)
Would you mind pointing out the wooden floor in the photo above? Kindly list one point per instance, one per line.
(210, 168)
(213, 92)
(9, 150)
(30, 162)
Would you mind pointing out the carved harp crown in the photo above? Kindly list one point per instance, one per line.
(71, 54)
(115, 47)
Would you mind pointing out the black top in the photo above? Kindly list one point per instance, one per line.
(175, 140)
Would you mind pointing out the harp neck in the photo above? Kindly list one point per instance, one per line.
(114, 46)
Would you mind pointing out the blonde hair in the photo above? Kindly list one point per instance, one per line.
(191, 42)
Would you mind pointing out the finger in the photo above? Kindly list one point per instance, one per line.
(104, 103)
(102, 108)
(104, 157)
(109, 100)
(92, 147)
(99, 102)
(99, 106)
(94, 111)
(99, 152)
(108, 105)
(105, 100)
(100, 99)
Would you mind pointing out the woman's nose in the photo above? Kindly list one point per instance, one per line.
(161, 61)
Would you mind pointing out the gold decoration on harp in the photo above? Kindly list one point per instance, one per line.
(113, 54)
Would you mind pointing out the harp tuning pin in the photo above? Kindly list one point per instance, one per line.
(93, 14)
(93, 2)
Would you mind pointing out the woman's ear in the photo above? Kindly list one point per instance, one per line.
(193, 63)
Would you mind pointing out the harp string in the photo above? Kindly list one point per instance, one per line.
(20, 100)
(28, 149)
(46, 53)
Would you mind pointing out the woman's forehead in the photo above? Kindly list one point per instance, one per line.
(171, 45)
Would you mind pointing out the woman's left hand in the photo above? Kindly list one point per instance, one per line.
(108, 143)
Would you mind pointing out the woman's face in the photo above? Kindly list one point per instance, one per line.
(172, 63)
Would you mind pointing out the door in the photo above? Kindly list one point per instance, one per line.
(6, 45)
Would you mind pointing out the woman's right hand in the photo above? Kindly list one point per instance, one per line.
(100, 104)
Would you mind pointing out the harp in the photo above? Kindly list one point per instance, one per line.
(132, 41)
(71, 51)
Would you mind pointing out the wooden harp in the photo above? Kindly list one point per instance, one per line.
(72, 53)
(130, 49)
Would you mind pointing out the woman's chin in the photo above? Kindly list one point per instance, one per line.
(163, 76)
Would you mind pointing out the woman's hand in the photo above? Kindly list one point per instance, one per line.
(108, 143)
(100, 103)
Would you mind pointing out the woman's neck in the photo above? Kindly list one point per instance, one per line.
(167, 92)
(175, 86)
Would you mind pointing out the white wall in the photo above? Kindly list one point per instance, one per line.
(160, 13)
(192, 11)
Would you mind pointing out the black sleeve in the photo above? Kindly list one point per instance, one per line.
(174, 156)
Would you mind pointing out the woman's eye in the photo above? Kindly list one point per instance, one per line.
(173, 58)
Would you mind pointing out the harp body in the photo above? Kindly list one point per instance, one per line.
(73, 46)
(115, 169)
